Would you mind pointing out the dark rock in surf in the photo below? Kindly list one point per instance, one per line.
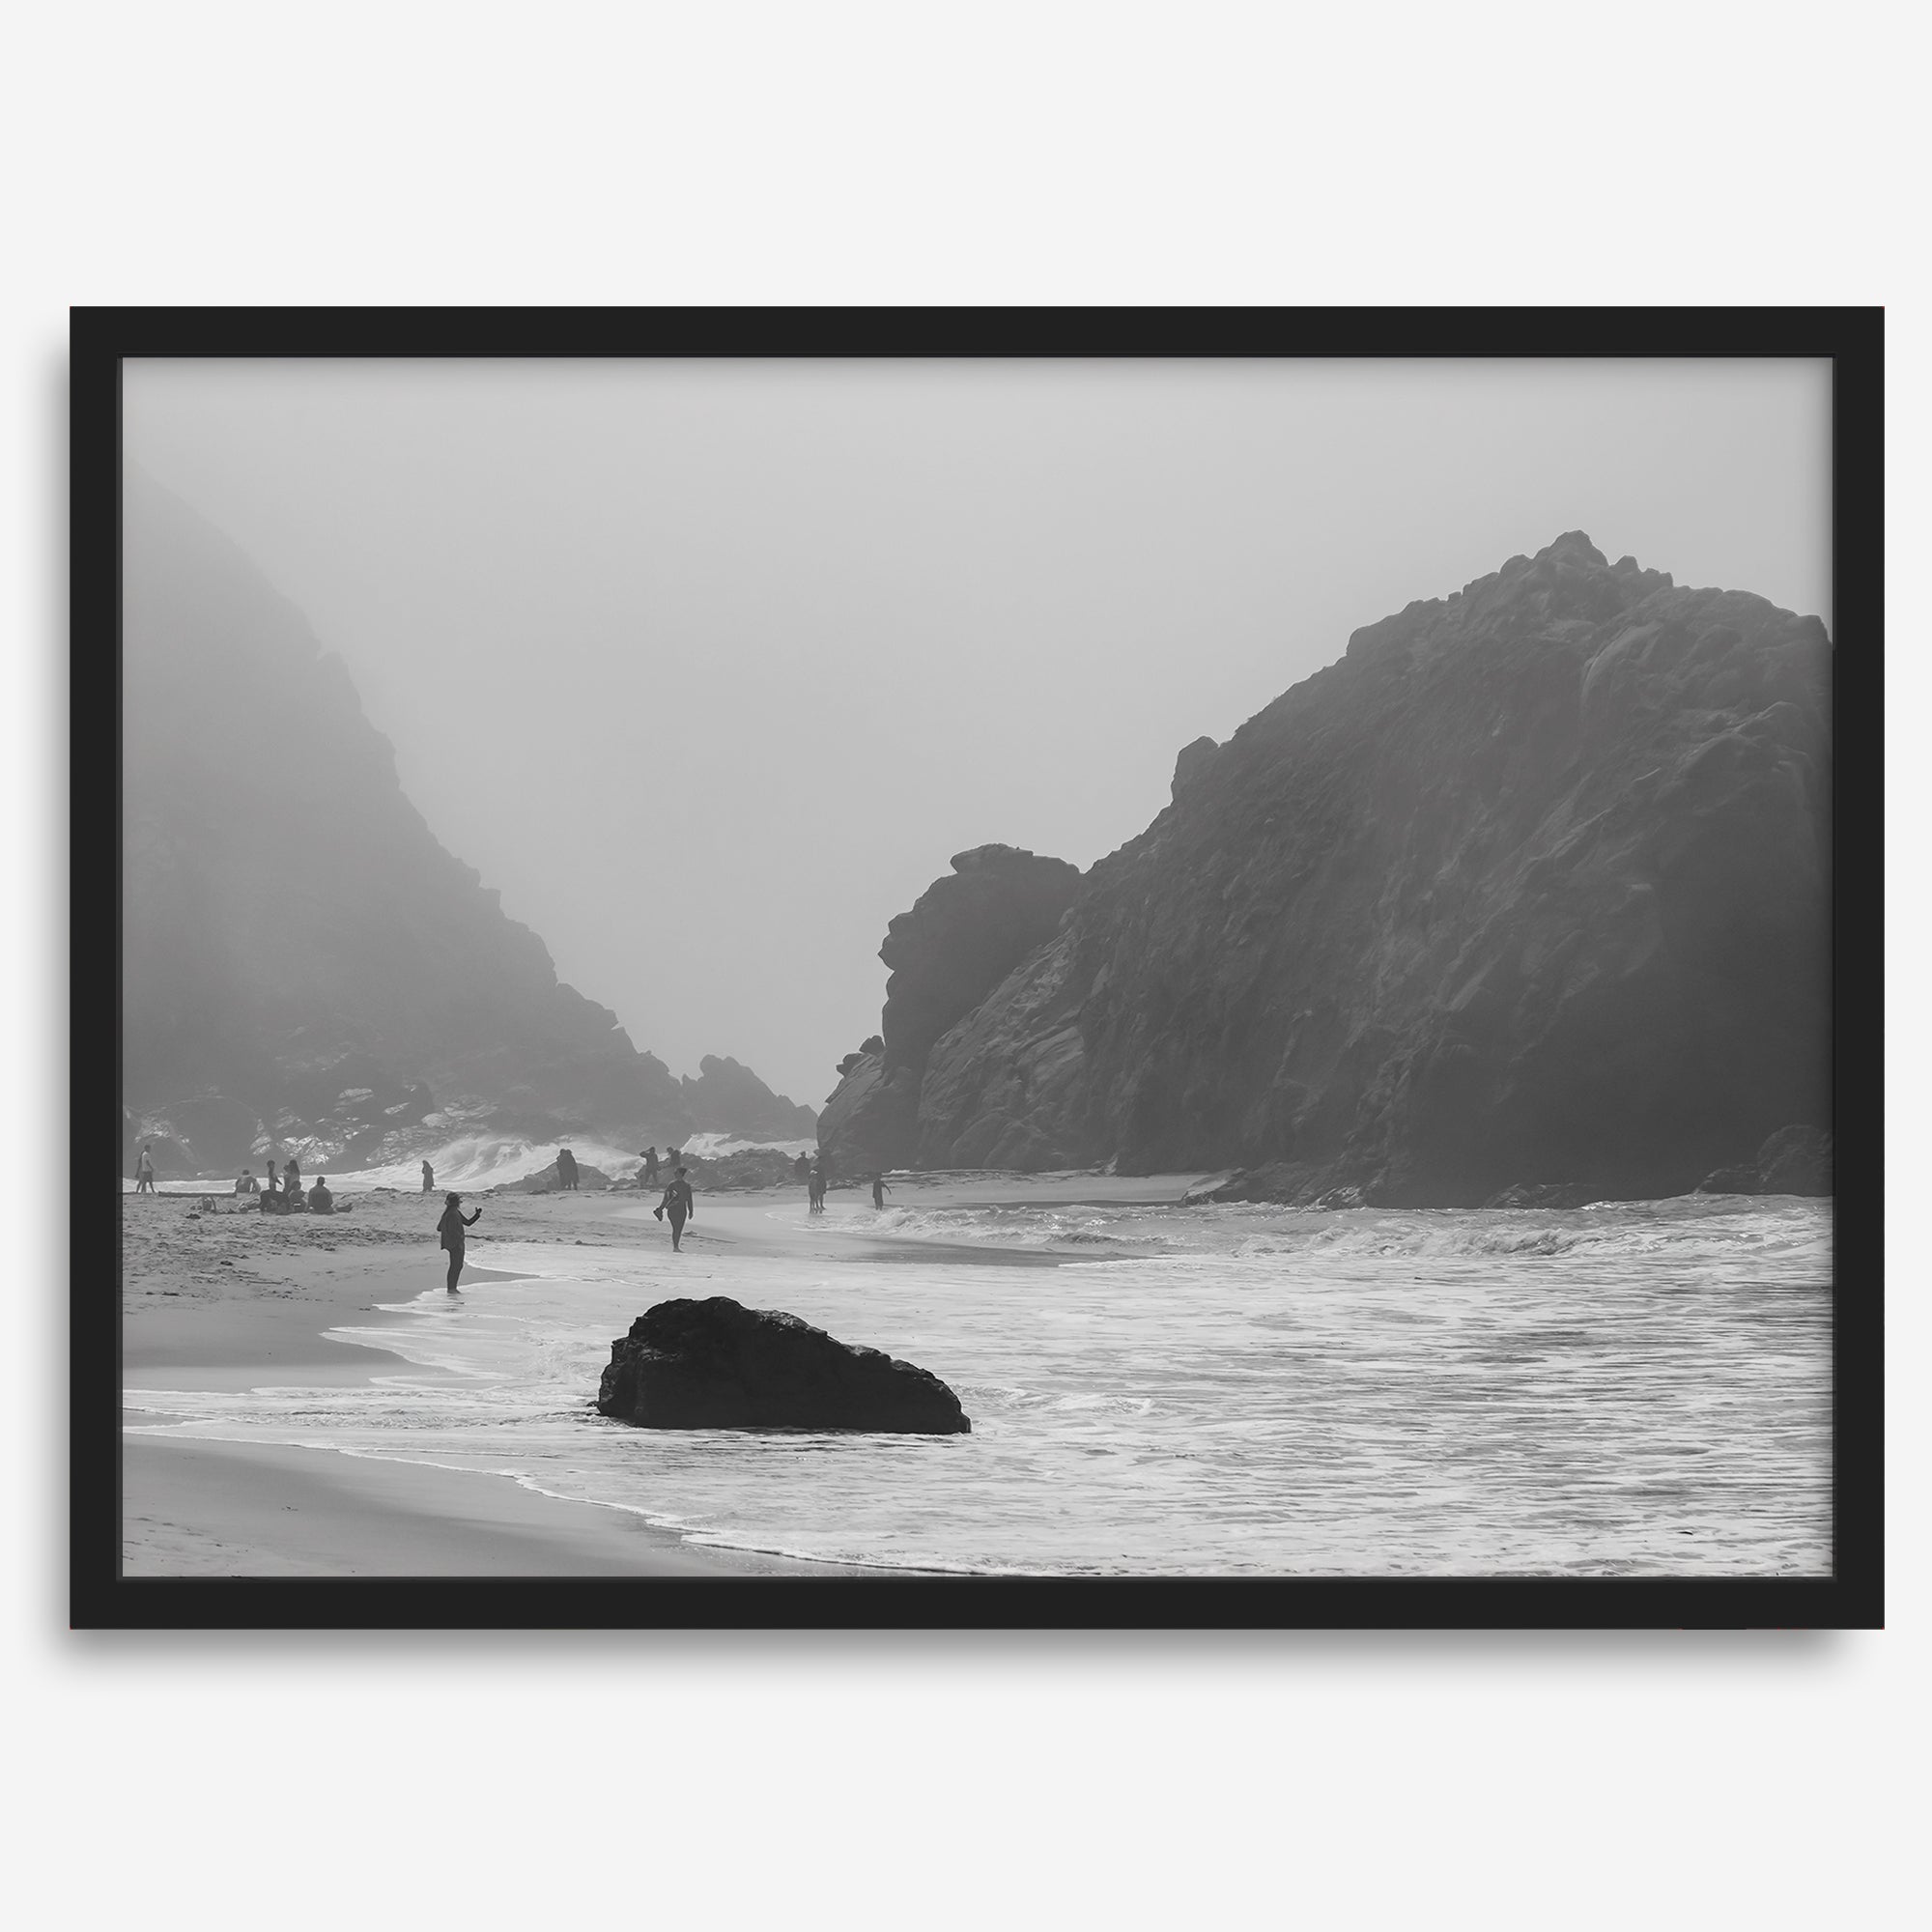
(716, 1364)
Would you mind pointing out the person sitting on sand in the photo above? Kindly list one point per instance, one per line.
(879, 1190)
(451, 1228)
(292, 1180)
(319, 1200)
(429, 1178)
(144, 1172)
(679, 1204)
(247, 1183)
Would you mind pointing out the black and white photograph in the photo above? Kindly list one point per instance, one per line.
(966, 967)
(782, 970)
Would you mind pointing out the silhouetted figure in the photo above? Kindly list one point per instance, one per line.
(649, 1177)
(679, 1205)
(319, 1200)
(815, 1189)
(247, 1183)
(292, 1180)
(451, 1228)
(429, 1178)
(566, 1170)
(144, 1172)
(879, 1190)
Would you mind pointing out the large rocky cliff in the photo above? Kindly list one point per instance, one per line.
(302, 961)
(1531, 886)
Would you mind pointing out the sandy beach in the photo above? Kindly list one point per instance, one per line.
(234, 1302)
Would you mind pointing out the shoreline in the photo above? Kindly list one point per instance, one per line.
(238, 1301)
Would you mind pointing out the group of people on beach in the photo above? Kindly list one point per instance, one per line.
(816, 1175)
(284, 1195)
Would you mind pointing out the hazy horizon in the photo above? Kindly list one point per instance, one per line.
(710, 668)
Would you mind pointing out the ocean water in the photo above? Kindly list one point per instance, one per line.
(1627, 1389)
(472, 1163)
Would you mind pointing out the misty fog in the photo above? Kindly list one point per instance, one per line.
(709, 667)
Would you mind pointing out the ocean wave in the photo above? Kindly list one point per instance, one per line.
(1785, 1230)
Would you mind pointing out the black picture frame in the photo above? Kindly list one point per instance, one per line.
(1852, 339)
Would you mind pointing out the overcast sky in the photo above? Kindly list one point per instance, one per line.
(710, 668)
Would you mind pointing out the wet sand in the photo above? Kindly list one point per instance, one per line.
(236, 1301)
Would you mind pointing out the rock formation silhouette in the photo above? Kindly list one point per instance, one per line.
(1531, 888)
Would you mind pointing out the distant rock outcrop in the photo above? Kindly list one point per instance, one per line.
(716, 1364)
(302, 962)
(1794, 1160)
(727, 1099)
(963, 935)
(1529, 889)
(547, 1181)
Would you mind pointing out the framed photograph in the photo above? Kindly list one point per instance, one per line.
(977, 968)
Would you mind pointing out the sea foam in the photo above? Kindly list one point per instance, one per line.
(1637, 1389)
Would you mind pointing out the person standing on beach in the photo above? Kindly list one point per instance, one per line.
(650, 1173)
(451, 1228)
(429, 1178)
(879, 1190)
(144, 1172)
(566, 1170)
(679, 1205)
(818, 1187)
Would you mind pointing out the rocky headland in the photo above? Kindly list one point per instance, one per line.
(304, 964)
(1530, 890)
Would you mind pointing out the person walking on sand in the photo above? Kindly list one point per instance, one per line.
(144, 1172)
(451, 1228)
(429, 1178)
(680, 1206)
(879, 1190)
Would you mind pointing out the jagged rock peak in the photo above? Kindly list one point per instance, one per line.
(1531, 886)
